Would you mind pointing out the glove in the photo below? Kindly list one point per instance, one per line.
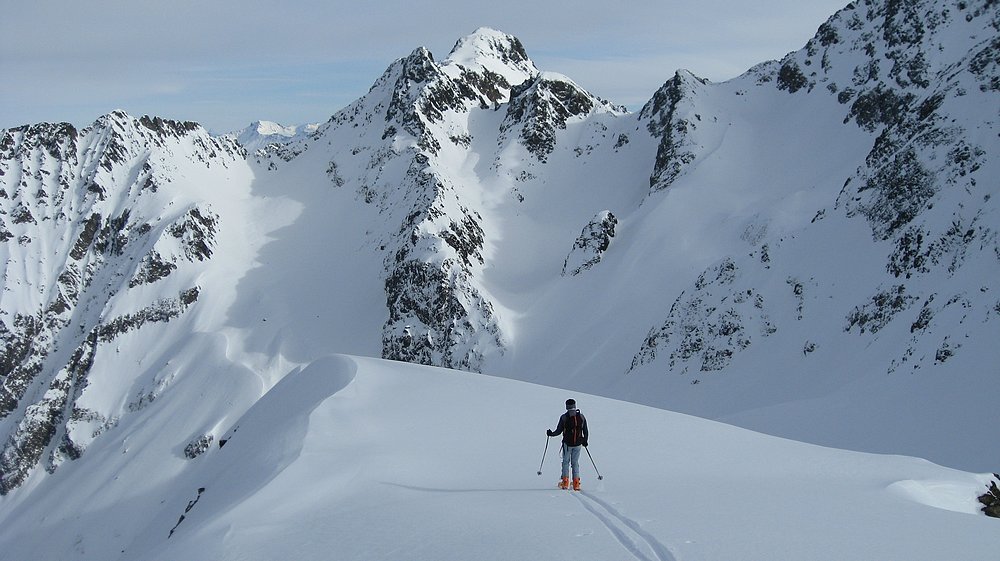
(584, 443)
(549, 432)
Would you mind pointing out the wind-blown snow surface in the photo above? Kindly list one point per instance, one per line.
(355, 458)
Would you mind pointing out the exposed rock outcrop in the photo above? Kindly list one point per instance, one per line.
(589, 248)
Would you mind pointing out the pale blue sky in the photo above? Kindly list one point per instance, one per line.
(225, 63)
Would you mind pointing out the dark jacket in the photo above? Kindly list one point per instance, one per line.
(573, 427)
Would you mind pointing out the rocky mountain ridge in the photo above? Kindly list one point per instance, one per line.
(929, 147)
(88, 223)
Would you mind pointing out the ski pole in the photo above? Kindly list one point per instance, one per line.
(599, 476)
(543, 454)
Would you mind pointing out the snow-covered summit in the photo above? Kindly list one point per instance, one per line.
(494, 51)
(259, 134)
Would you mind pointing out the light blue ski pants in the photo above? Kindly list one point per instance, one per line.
(571, 456)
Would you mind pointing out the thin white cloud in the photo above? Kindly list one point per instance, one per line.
(77, 60)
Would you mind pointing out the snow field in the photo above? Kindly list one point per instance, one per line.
(357, 458)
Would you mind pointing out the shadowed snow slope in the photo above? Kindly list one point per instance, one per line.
(363, 459)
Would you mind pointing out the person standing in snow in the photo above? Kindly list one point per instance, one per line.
(573, 426)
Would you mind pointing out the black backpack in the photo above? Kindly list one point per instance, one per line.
(573, 429)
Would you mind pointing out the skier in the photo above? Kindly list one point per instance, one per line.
(573, 427)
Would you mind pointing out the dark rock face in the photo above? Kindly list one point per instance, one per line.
(542, 106)
(791, 78)
(918, 251)
(90, 228)
(437, 315)
(198, 446)
(991, 498)
(196, 230)
(20, 359)
(708, 324)
(152, 268)
(415, 73)
(907, 104)
(667, 120)
(882, 308)
(594, 240)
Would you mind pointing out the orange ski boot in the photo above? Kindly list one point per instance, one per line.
(564, 483)
(576, 484)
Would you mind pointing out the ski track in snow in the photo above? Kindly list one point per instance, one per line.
(622, 527)
(628, 532)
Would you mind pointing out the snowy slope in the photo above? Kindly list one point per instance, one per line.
(352, 458)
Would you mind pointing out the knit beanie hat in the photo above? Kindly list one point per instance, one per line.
(570, 404)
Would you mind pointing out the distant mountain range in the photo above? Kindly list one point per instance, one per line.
(810, 249)
(261, 133)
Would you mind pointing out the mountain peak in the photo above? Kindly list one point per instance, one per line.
(261, 133)
(270, 127)
(489, 42)
(495, 51)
